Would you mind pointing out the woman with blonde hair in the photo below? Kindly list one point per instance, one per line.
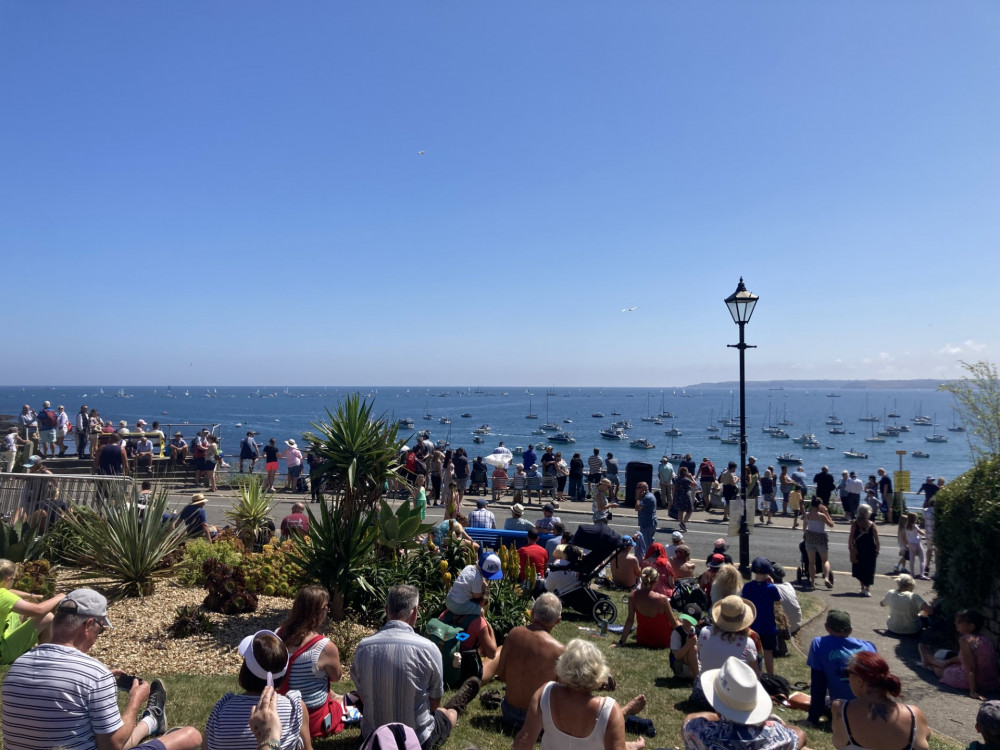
(601, 502)
(727, 582)
(568, 706)
(651, 612)
(314, 661)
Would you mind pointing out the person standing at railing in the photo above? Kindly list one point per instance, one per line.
(27, 420)
(82, 431)
(112, 459)
(8, 456)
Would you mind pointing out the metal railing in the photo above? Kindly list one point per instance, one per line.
(24, 495)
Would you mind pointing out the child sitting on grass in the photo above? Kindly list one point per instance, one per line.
(19, 635)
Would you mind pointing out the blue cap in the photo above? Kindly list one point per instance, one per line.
(628, 540)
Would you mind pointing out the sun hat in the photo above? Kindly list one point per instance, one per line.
(761, 565)
(246, 651)
(716, 561)
(735, 692)
(517, 509)
(86, 602)
(677, 536)
(490, 568)
(291, 443)
(198, 499)
(733, 614)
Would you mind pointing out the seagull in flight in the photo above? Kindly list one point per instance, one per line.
(421, 153)
(629, 309)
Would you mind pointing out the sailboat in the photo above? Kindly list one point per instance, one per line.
(664, 414)
(711, 418)
(548, 425)
(649, 416)
(937, 437)
(169, 393)
(874, 438)
(530, 414)
(955, 426)
(868, 416)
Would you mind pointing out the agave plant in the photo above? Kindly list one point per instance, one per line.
(19, 542)
(125, 543)
(359, 454)
(398, 529)
(251, 513)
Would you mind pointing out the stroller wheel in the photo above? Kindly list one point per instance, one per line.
(604, 609)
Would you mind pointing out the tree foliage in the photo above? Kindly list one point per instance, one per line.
(977, 399)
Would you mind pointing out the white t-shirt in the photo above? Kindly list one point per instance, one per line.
(790, 603)
(468, 585)
(715, 648)
(904, 610)
(561, 578)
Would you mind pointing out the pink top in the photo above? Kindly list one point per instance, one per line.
(985, 654)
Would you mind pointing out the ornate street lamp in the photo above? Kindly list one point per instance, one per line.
(741, 304)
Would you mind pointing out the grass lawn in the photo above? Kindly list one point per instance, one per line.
(637, 670)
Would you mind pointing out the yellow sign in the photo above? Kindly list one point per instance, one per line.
(901, 481)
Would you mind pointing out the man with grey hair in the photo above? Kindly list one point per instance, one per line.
(528, 659)
(400, 678)
(56, 695)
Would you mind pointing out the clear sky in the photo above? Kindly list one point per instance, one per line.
(233, 191)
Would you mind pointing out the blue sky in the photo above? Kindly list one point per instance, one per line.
(232, 192)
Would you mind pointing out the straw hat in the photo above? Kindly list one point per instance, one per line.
(291, 443)
(517, 509)
(735, 692)
(198, 499)
(733, 614)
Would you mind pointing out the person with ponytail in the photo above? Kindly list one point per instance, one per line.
(655, 619)
(873, 719)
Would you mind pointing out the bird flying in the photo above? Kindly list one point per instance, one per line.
(629, 309)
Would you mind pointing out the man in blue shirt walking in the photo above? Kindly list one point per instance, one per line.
(646, 505)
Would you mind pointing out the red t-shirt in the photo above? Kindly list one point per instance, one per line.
(537, 557)
(295, 523)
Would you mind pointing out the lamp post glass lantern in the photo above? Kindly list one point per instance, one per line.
(741, 304)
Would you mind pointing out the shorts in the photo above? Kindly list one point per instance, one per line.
(462, 482)
(768, 641)
(271, 466)
(593, 478)
(614, 480)
(682, 670)
(816, 541)
(47, 436)
(247, 455)
(207, 465)
(17, 638)
(151, 745)
(511, 716)
(200, 464)
(440, 733)
(295, 471)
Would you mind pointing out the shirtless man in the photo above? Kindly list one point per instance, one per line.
(625, 570)
(528, 659)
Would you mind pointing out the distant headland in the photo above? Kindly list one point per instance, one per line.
(852, 385)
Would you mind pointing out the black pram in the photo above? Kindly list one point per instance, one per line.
(602, 543)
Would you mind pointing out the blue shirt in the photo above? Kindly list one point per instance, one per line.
(764, 595)
(647, 510)
(528, 459)
(800, 478)
(829, 654)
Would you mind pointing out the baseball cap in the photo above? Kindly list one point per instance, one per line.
(628, 540)
(88, 603)
(490, 568)
(716, 561)
(548, 507)
(930, 478)
(693, 610)
(677, 536)
(838, 621)
(688, 619)
(761, 565)
(32, 461)
(481, 502)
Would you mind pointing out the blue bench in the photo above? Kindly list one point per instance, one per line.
(493, 538)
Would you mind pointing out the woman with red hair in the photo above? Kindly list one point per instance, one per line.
(873, 718)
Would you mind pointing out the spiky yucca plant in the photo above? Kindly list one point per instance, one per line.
(251, 512)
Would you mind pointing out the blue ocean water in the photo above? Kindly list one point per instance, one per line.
(287, 413)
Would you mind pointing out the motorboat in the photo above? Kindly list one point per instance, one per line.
(920, 454)
(478, 439)
(550, 426)
(779, 433)
(936, 438)
(483, 429)
(642, 443)
(614, 433)
(925, 421)
(562, 437)
(623, 423)
(538, 431)
(406, 422)
(712, 428)
(788, 458)
(715, 436)
(441, 444)
(518, 450)
(445, 420)
(730, 440)
(567, 421)
(855, 454)
(834, 419)
(838, 431)
(466, 416)
(597, 415)
(812, 444)
(673, 432)
(804, 438)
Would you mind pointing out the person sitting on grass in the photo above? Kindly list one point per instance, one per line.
(265, 659)
(651, 612)
(19, 634)
(742, 714)
(975, 667)
(453, 528)
(569, 712)
(625, 570)
(988, 725)
(314, 662)
(905, 607)
(57, 696)
(828, 659)
(469, 590)
(684, 645)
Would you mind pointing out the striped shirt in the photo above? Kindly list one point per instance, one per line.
(57, 696)
(308, 678)
(228, 725)
(595, 463)
(397, 673)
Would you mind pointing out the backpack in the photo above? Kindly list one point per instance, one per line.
(775, 685)
(48, 418)
(449, 639)
(393, 736)
(688, 592)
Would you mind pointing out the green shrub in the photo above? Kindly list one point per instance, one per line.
(967, 533)
(251, 512)
(189, 620)
(62, 537)
(271, 571)
(197, 551)
(227, 589)
(115, 543)
(35, 577)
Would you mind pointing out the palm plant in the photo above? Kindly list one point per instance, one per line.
(359, 453)
(251, 512)
(125, 543)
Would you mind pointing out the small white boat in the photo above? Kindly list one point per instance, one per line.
(875, 439)
(642, 443)
(920, 454)
(562, 437)
(838, 431)
(406, 422)
(789, 458)
(936, 438)
(673, 432)
(855, 454)
(614, 433)
(597, 415)
(445, 420)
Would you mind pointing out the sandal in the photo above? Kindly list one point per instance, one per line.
(491, 699)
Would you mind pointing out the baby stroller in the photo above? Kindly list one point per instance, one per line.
(602, 543)
(802, 571)
(478, 482)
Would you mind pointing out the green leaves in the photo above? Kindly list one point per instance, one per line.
(398, 529)
(977, 400)
(251, 512)
(121, 542)
(19, 542)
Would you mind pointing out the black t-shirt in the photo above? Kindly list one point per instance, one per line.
(824, 483)
(576, 467)
(689, 465)
(461, 464)
(549, 464)
(270, 454)
(885, 485)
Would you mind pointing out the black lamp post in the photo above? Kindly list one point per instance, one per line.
(741, 304)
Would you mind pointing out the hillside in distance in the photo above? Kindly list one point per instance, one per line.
(853, 385)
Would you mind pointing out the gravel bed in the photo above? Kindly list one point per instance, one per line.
(139, 644)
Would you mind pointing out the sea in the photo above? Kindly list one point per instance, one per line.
(288, 412)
